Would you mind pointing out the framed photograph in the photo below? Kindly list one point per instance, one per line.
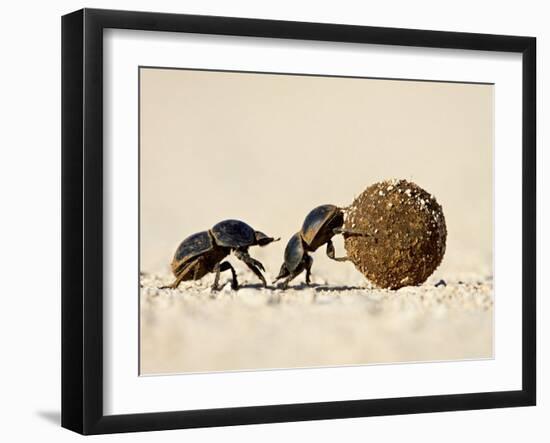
(268, 221)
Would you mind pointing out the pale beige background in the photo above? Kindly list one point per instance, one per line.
(267, 149)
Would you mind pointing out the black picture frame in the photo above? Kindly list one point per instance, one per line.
(82, 220)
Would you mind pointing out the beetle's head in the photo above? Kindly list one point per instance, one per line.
(262, 239)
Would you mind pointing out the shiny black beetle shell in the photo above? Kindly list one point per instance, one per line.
(197, 245)
(319, 224)
(225, 234)
(193, 246)
(233, 234)
(294, 252)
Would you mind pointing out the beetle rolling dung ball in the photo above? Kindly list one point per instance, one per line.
(407, 234)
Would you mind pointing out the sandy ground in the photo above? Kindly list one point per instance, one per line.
(192, 329)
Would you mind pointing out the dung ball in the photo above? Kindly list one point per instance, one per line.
(406, 234)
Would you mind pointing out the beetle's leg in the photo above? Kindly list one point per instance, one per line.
(234, 282)
(330, 252)
(244, 256)
(287, 281)
(292, 276)
(182, 274)
(216, 278)
(252, 264)
(308, 261)
(220, 267)
(283, 272)
(352, 232)
(196, 270)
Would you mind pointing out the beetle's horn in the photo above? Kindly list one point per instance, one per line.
(262, 239)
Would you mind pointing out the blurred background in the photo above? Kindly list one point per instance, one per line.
(267, 149)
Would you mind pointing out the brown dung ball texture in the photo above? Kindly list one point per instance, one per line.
(407, 234)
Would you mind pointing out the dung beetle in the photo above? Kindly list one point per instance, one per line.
(203, 252)
(320, 225)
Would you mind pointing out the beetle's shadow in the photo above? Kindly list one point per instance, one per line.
(302, 287)
(325, 288)
(258, 286)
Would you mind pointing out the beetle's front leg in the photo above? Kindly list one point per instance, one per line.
(330, 252)
(252, 264)
(351, 232)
